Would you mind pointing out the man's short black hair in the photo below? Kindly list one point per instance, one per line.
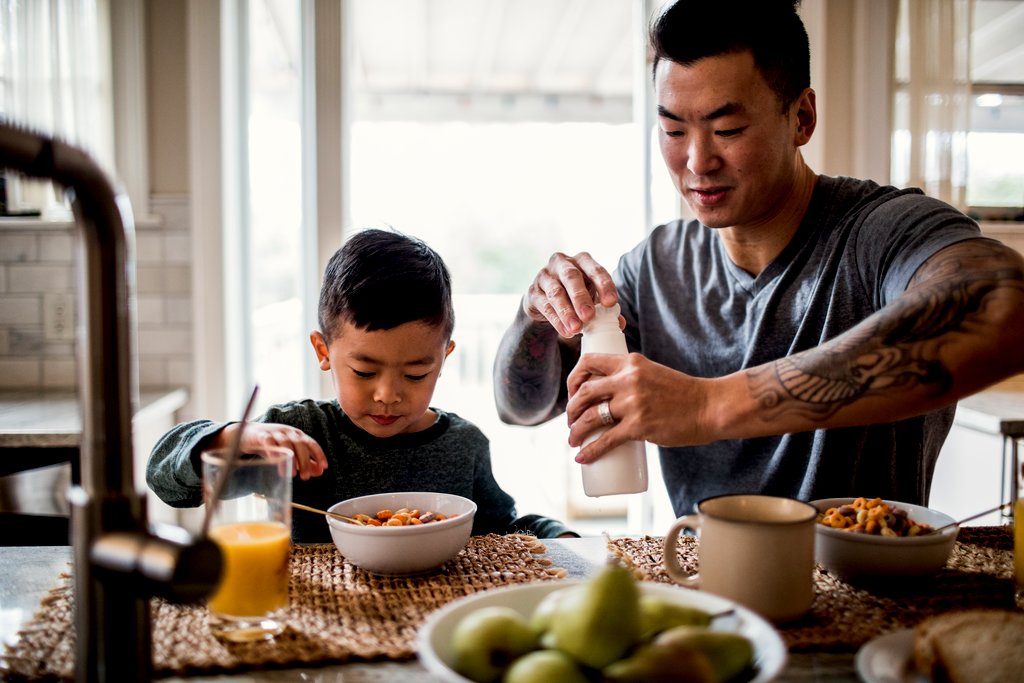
(689, 30)
(380, 279)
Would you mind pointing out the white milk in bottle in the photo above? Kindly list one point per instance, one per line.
(624, 468)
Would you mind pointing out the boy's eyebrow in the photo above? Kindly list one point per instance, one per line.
(425, 360)
(726, 109)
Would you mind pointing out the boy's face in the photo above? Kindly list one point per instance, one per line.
(385, 379)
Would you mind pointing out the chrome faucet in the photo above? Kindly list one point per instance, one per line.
(119, 563)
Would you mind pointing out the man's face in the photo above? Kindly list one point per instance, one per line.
(385, 379)
(730, 150)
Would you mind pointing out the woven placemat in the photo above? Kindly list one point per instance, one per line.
(845, 616)
(337, 613)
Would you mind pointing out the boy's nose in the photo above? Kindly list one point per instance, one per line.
(386, 392)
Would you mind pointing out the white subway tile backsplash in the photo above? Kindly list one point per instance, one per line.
(56, 247)
(26, 341)
(177, 279)
(59, 349)
(153, 372)
(164, 342)
(150, 309)
(21, 309)
(178, 309)
(24, 278)
(20, 373)
(34, 262)
(179, 372)
(60, 374)
(177, 247)
(18, 248)
(149, 280)
(149, 247)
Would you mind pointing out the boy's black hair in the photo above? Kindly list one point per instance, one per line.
(689, 30)
(380, 279)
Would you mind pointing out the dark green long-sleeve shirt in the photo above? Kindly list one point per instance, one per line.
(452, 456)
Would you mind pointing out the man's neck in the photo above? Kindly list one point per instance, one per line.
(752, 248)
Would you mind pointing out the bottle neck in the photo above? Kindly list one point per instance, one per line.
(603, 339)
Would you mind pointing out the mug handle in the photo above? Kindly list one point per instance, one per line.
(672, 559)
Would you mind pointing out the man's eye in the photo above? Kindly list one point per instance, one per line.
(417, 378)
(364, 375)
(674, 133)
(730, 132)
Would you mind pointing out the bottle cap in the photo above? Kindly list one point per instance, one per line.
(606, 312)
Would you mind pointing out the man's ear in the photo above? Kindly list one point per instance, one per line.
(806, 117)
(320, 347)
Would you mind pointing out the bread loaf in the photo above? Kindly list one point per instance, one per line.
(971, 646)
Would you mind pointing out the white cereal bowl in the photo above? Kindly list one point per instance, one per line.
(866, 557)
(402, 550)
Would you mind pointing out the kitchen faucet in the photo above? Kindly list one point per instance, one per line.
(119, 563)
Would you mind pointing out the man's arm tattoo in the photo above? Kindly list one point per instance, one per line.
(531, 379)
(898, 347)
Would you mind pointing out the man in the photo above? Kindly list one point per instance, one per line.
(805, 336)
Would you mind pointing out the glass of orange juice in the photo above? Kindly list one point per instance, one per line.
(251, 522)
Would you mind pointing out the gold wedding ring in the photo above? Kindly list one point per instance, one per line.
(604, 411)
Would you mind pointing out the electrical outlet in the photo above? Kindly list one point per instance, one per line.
(58, 316)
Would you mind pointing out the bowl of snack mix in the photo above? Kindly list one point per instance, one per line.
(402, 534)
(863, 539)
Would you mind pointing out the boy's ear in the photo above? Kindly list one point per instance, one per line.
(451, 347)
(320, 347)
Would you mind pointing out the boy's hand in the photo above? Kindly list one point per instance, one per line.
(309, 460)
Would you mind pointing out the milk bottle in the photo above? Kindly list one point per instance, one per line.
(624, 468)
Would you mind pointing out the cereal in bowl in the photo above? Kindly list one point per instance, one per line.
(873, 516)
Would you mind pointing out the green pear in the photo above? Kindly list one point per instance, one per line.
(728, 653)
(486, 641)
(540, 620)
(544, 666)
(657, 615)
(599, 622)
(653, 663)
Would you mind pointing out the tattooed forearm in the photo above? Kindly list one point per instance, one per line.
(898, 348)
(529, 379)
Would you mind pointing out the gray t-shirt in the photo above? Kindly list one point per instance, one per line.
(688, 306)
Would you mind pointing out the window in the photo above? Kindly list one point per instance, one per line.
(995, 142)
(971, 106)
(275, 230)
(500, 132)
(55, 77)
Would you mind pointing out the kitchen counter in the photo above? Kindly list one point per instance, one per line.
(998, 410)
(981, 453)
(40, 433)
(52, 419)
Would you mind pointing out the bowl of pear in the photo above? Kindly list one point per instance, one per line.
(608, 627)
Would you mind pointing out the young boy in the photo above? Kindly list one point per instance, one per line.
(386, 320)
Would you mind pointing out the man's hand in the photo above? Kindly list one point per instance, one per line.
(565, 290)
(309, 460)
(649, 402)
(538, 350)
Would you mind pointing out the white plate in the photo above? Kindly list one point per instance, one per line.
(435, 636)
(889, 659)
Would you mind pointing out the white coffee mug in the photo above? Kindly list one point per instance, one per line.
(755, 550)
